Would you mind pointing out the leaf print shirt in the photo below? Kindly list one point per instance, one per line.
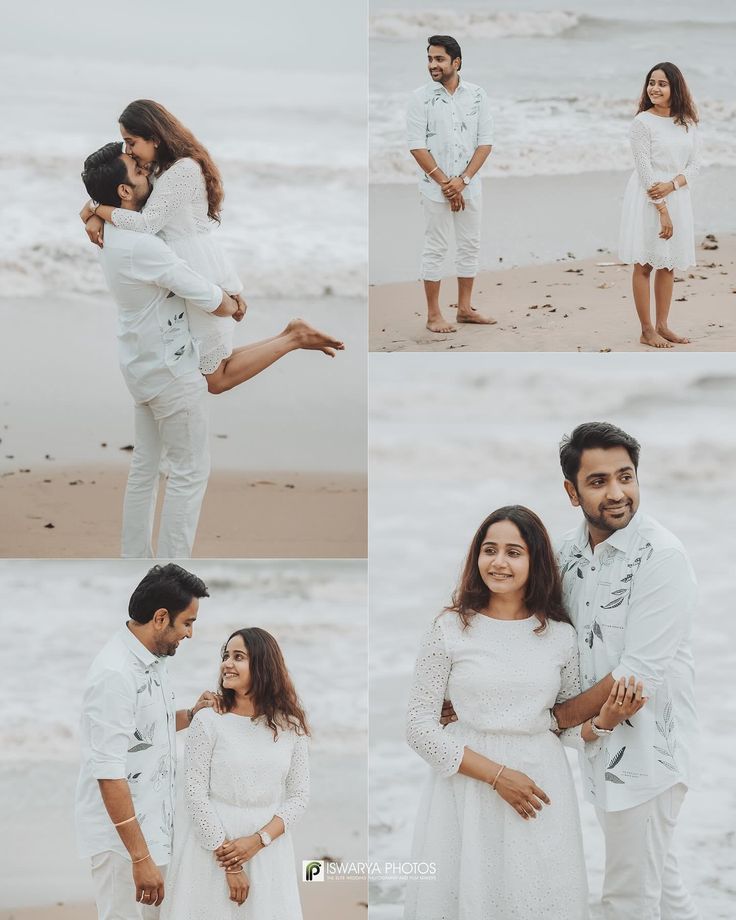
(451, 126)
(128, 731)
(154, 342)
(632, 602)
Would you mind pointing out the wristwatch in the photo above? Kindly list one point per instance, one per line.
(266, 838)
(600, 732)
(466, 180)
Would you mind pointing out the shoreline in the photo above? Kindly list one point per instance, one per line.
(570, 305)
(247, 514)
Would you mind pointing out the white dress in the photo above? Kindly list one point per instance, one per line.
(502, 679)
(662, 150)
(177, 211)
(237, 779)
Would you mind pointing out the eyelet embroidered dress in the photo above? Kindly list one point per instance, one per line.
(236, 779)
(492, 864)
(177, 211)
(662, 150)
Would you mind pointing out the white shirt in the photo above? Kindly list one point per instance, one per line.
(451, 126)
(154, 342)
(632, 602)
(128, 731)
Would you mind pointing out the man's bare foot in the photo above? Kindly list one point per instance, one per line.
(473, 316)
(671, 336)
(312, 339)
(438, 323)
(654, 339)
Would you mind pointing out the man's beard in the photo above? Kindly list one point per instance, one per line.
(602, 523)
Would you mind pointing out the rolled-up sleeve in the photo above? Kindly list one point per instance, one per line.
(416, 123)
(154, 262)
(659, 618)
(108, 724)
(485, 120)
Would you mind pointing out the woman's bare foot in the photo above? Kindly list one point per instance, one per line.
(436, 322)
(671, 336)
(653, 338)
(473, 316)
(312, 339)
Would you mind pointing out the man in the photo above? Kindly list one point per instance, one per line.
(126, 787)
(449, 129)
(159, 363)
(630, 592)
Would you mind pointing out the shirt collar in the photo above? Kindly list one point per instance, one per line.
(620, 540)
(135, 646)
(460, 86)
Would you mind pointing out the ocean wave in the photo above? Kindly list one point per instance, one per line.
(475, 24)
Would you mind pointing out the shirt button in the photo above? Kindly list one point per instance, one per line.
(587, 603)
(592, 568)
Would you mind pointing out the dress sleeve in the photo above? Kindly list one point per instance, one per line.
(641, 147)
(570, 687)
(424, 733)
(693, 165)
(174, 187)
(197, 759)
(296, 784)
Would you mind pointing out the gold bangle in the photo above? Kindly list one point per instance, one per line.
(127, 821)
(493, 784)
(134, 861)
(432, 170)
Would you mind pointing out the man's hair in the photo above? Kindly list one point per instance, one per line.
(165, 586)
(591, 435)
(104, 170)
(448, 43)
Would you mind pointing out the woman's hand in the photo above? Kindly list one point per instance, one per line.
(522, 793)
(95, 229)
(665, 223)
(242, 307)
(624, 701)
(660, 190)
(239, 886)
(235, 852)
(86, 212)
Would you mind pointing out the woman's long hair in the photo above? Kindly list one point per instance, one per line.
(543, 595)
(682, 106)
(271, 688)
(151, 121)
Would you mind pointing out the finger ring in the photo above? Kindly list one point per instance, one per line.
(620, 702)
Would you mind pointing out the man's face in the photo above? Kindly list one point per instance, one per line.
(441, 67)
(182, 628)
(140, 185)
(607, 490)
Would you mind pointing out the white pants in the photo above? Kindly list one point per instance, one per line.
(439, 220)
(173, 425)
(642, 880)
(112, 876)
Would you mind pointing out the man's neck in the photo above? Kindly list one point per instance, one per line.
(140, 632)
(452, 83)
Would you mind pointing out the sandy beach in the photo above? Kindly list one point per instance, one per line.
(550, 277)
(288, 470)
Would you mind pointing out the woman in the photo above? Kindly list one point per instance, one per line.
(246, 782)
(183, 207)
(657, 219)
(499, 816)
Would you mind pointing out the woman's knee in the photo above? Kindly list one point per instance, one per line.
(644, 270)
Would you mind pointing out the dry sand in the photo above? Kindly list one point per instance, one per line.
(568, 305)
(253, 515)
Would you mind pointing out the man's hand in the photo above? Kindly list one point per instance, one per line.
(228, 307)
(239, 886)
(235, 852)
(624, 701)
(149, 883)
(95, 229)
(453, 187)
(242, 307)
(660, 190)
(209, 700)
(457, 203)
(448, 713)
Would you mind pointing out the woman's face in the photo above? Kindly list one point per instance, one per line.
(235, 667)
(142, 151)
(658, 88)
(503, 562)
